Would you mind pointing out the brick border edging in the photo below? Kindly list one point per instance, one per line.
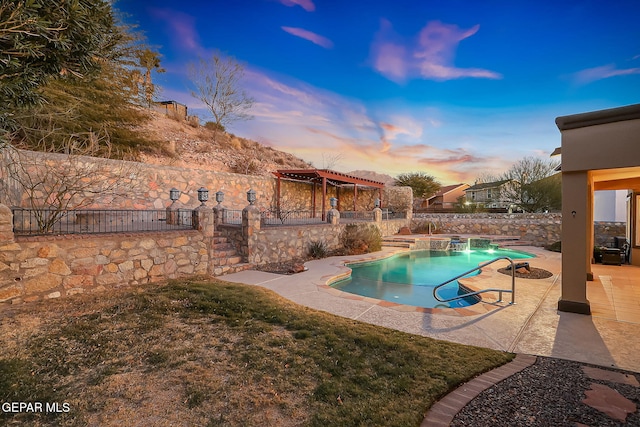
(443, 411)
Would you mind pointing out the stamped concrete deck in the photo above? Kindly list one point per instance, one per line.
(532, 326)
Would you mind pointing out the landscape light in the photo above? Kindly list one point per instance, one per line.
(251, 197)
(219, 196)
(203, 195)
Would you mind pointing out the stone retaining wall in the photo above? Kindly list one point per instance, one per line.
(278, 244)
(49, 268)
(34, 268)
(147, 186)
(538, 229)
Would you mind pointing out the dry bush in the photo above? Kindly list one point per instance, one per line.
(361, 239)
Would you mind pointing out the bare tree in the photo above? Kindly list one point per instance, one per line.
(331, 161)
(532, 185)
(486, 177)
(68, 181)
(218, 83)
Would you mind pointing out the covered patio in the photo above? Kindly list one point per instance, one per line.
(600, 151)
(323, 178)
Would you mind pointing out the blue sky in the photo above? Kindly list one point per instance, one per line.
(455, 89)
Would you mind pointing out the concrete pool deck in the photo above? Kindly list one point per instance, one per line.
(532, 326)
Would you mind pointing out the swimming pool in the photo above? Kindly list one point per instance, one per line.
(409, 278)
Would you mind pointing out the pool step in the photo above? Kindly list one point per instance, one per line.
(398, 243)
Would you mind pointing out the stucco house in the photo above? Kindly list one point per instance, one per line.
(445, 199)
(488, 194)
(600, 151)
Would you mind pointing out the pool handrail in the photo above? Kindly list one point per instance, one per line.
(500, 291)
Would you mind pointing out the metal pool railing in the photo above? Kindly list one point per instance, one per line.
(38, 222)
(468, 294)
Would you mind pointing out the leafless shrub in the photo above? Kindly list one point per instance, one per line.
(54, 184)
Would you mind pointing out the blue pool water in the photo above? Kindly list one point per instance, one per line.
(410, 278)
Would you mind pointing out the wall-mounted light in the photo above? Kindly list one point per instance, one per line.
(573, 214)
(203, 195)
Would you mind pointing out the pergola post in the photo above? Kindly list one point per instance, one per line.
(355, 195)
(324, 196)
(313, 200)
(278, 194)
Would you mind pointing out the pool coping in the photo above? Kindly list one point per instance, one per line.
(480, 308)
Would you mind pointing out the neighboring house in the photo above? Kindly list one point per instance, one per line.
(445, 199)
(172, 108)
(488, 195)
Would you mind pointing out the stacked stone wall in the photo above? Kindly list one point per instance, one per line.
(538, 229)
(278, 244)
(33, 269)
(147, 186)
(392, 226)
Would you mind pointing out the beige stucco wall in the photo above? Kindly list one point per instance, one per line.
(605, 146)
(596, 146)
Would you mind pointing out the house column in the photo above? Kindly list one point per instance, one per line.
(577, 228)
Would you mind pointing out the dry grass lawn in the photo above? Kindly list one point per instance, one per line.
(212, 353)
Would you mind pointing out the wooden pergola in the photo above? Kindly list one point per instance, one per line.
(325, 177)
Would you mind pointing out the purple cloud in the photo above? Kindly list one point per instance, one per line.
(308, 35)
(182, 28)
(604, 72)
(431, 56)
(305, 4)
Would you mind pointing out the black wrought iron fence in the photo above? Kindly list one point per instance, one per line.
(93, 221)
(349, 216)
(388, 214)
(231, 216)
(290, 217)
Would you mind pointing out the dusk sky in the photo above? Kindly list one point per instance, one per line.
(455, 89)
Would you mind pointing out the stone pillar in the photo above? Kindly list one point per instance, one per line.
(377, 216)
(218, 215)
(250, 227)
(172, 214)
(333, 217)
(204, 220)
(6, 226)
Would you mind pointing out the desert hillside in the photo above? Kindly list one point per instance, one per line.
(195, 147)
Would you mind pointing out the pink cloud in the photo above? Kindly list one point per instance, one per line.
(305, 4)
(308, 35)
(604, 72)
(181, 26)
(431, 56)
